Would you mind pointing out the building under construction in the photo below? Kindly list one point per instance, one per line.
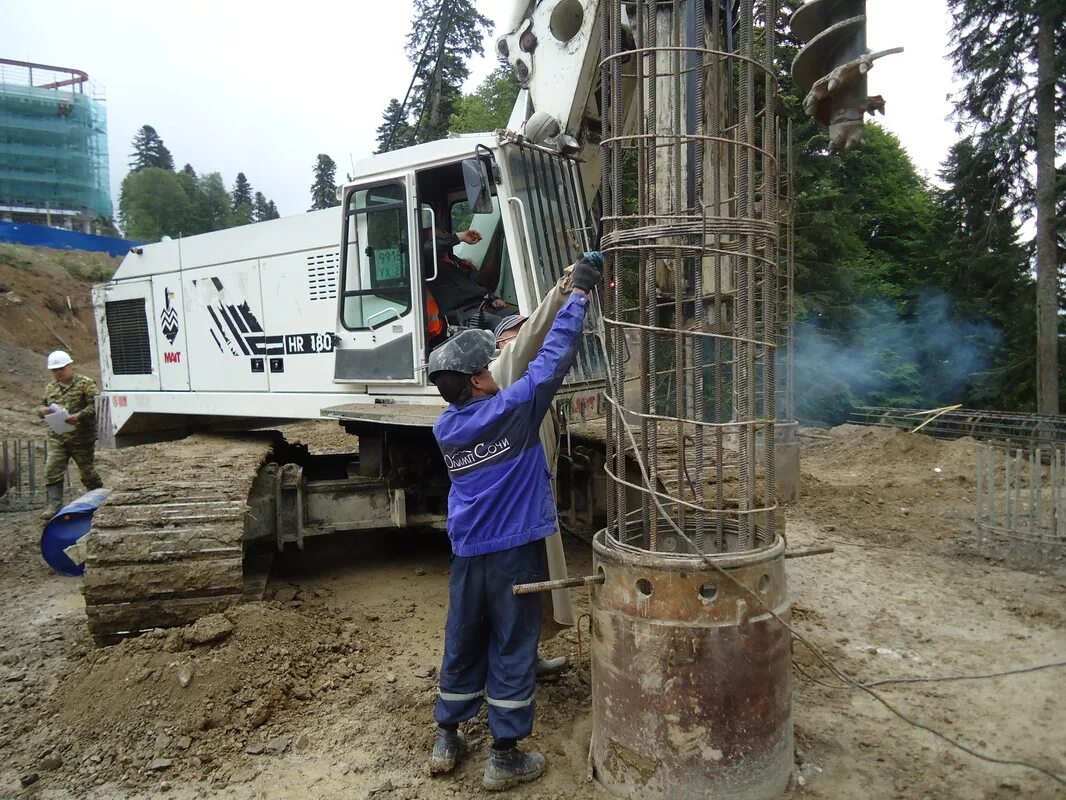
(53, 147)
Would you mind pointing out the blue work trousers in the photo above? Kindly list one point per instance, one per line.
(490, 641)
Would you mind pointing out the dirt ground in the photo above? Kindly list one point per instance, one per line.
(325, 690)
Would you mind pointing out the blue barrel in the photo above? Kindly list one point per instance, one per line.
(71, 523)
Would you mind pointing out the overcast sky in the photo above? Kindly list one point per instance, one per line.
(233, 85)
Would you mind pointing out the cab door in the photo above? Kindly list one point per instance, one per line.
(380, 334)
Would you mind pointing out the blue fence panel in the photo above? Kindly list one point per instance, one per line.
(43, 236)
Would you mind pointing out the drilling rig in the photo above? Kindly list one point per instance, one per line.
(648, 126)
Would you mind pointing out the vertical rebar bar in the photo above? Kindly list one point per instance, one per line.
(991, 486)
(769, 277)
(980, 485)
(18, 468)
(1039, 490)
(677, 264)
(1019, 471)
(1052, 500)
(1007, 495)
(31, 467)
(699, 403)
(719, 167)
(1034, 477)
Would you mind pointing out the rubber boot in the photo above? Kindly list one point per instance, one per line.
(546, 667)
(507, 768)
(55, 500)
(448, 747)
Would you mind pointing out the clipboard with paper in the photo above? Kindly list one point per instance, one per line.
(57, 419)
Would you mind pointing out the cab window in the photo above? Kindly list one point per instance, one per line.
(376, 271)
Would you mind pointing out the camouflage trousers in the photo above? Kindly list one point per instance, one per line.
(84, 455)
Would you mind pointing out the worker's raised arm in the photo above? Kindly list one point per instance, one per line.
(546, 372)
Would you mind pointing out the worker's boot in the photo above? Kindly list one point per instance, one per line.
(507, 768)
(448, 748)
(546, 667)
(54, 502)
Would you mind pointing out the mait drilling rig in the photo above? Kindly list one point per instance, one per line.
(324, 315)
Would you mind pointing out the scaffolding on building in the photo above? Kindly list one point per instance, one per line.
(53, 146)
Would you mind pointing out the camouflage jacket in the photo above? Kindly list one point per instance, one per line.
(78, 398)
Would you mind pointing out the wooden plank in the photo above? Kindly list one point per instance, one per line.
(173, 579)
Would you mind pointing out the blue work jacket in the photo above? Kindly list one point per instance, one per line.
(501, 494)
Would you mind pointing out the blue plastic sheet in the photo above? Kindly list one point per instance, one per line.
(59, 239)
(71, 523)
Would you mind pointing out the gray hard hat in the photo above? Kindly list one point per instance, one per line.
(468, 352)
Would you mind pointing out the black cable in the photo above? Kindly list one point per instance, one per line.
(928, 679)
(946, 678)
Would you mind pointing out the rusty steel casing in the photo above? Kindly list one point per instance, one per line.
(691, 677)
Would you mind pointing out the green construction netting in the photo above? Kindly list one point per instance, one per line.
(53, 150)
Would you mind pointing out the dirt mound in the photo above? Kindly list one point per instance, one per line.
(897, 454)
(178, 700)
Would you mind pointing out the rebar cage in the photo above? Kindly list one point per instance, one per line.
(690, 216)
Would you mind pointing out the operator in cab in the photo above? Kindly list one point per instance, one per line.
(74, 395)
(460, 287)
(500, 509)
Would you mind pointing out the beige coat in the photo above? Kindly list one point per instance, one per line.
(508, 368)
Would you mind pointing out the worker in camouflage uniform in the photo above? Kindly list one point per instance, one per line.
(75, 393)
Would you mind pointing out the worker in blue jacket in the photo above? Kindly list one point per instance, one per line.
(500, 507)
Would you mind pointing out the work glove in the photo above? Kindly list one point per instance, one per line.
(595, 257)
(586, 275)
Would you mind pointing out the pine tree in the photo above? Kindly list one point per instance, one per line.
(241, 198)
(259, 207)
(149, 151)
(985, 267)
(190, 184)
(324, 188)
(444, 34)
(1011, 54)
(214, 202)
(264, 209)
(395, 131)
(242, 192)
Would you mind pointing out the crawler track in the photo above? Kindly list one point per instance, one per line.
(168, 545)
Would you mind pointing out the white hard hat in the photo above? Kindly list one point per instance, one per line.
(59, 359)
